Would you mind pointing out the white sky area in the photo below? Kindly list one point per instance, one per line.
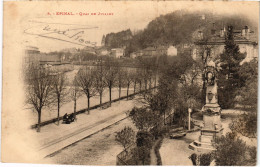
(133, 15)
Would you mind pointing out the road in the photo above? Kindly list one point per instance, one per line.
(98, 149)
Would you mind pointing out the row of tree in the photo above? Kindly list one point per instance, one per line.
(46, 87)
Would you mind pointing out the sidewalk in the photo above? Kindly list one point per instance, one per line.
(53, 138)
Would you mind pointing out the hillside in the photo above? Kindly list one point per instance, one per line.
(178, 28)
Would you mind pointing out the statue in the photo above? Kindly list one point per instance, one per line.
(211, 113)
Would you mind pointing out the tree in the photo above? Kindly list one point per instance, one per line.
(75, 93)
(229, 79)
(111, 68)
(39, 89)
(176, 87)
(59, 91)
(121, 77)
(100, 83)
(129, 78)
(159, 102)
(85, 80)
(125, 136)
(246, 96)
(139, 77)
(144, 118)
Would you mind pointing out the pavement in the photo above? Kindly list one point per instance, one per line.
(54, 138)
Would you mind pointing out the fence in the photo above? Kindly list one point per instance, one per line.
(125, 155)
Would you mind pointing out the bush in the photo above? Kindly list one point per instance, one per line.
(230, 151)
(144, 139)
(252, 153)
(141, 156)
(245, 124)
(125, 136)
(201, 160)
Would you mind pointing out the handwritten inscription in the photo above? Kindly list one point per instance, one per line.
(63, 32)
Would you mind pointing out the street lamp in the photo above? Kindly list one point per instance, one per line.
(189, 111)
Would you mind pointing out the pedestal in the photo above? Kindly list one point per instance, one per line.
(211, 130)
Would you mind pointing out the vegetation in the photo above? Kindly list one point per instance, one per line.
(201, 159)
(232, 151)
(60, 92)
(85, 80)
(39, 82)
(125, 136)
(229, 79)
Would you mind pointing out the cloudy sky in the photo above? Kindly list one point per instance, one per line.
(133, 15)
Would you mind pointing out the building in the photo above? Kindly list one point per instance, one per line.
(245, 39)
(136, 54)
(172, 51)
(102, 51)
(117, 52)
(50, 59)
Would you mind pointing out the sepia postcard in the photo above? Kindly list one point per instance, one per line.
(109, 83)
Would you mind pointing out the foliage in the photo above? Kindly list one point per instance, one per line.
(141, 154)
(125, 136)
(247, 94)
(178, 84)
(178, 27)
(144, 118)
(144, 138)
(201, 159)
(117, 40)
(229, 78)
(245, 124)
(253, 154)
(230, 151)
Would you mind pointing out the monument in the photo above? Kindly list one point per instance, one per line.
(211, 114)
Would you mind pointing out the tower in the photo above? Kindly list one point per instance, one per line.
(211, 114)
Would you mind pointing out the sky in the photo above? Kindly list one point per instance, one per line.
(133, 15)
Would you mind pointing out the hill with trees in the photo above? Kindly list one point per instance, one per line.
(178, 28)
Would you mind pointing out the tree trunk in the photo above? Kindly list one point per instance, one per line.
(145, 84)
(164, 117)
(134, 86)
(58, 116)
(140, 86)
(39, 121)
(88, 104)
(155, 81)
(110, 96)
(100, 94)
(75, 106)
(119, 92)
(150, 84)
(203, 98)
(127, 90)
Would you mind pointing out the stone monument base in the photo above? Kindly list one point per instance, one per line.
(211, 130)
